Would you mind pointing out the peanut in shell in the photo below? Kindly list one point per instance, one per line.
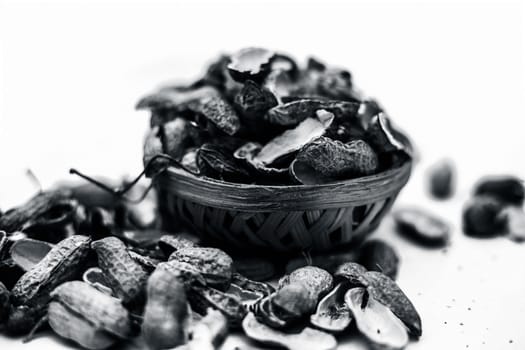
(332, 158)
(187, 273)
(317, 281)
(214, 264)
(4, 303)
(167, 314)
(126, 277)
(99, 309)
(62, 263)
(73, 327)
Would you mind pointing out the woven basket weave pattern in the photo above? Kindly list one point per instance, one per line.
(317, 227)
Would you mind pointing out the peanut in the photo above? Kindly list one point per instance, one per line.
(4, 303)
(126, 277)
(15, 218)
(293, 301)
(186, 273)
(167, 314)
(169, 243)
(62, 263)
(71, 326)
(317, 281)
(215, 265)
(101, 310)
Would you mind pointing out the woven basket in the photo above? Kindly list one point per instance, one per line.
(280, 218)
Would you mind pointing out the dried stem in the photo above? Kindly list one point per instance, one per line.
(121, 191)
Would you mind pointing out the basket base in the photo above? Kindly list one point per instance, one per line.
(283, 231)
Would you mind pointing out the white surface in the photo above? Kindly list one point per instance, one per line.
(451, 74)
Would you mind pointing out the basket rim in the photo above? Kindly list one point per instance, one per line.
(253, 197)
(227, 184)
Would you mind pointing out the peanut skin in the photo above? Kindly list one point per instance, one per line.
(167, 314)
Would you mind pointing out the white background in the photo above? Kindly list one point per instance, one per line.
(452, 74)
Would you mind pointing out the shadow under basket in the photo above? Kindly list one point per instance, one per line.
(280, 218)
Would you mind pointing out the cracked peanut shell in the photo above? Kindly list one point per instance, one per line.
(231, 306)
(387, 292)
(375, 320)
(306, 339)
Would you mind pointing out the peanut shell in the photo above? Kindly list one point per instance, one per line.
(4, 303)
(376, 321)
(254, 101)
(334, 159)
(56, 223)
(201, 298)
(126, 277)
(482, 217)
(186, 272)
(253, 286)
(101, 310)
(350, 272)
(14, 219)
(250, 63)
(175, 135)
(265, 313)
(257, 269)
(293, 140)
(293, 301)
(332, 314)
(23, 318)
(387, 292)
(28, 252)
(377, 255)
(167, 313)
(153, 147)
(441, 179)
(149, 264)
(316, 280)
(170, 243)
(95, 277)
(73, 327)
(292, 113)
(209, 332)
(214, 264)
(62, 263)
(422, 226)
(505, 188)
(307, 339)
(217, 110)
